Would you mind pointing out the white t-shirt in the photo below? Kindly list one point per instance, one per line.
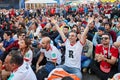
(28, 56)
(24, 72)
(52, 53)
(73, 54)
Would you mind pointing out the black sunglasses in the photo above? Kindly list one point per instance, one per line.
(104, 38)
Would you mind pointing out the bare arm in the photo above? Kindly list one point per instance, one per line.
(58, 29)
(111, 61)
(83, 36)
(40, 59)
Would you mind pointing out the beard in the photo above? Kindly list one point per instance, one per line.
(105, 44)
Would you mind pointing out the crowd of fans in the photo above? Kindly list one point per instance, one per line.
(83, 38)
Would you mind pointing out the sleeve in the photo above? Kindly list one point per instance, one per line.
(114, 52)
(95, 40)
(118, 39)
(28, 56)
(14, 44)
(90, 45)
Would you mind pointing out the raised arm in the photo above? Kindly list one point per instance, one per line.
(83, 36)
(58, 29)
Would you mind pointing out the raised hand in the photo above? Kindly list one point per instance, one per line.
(53, 20)
(90, 20)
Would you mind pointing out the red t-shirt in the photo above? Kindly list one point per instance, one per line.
(107, 9)
(81, 10)
(99, 49)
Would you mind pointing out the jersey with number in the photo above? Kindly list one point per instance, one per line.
(24, 72)
(73, 54)
(52, 54)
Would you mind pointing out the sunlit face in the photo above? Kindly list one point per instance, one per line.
(19, 26)
(22, 36)
(100, 32)
(82, 29)
(22, 44)
(107, 26)
(44, 44)
(5, 36)
(8, 66)
(105, 40)
(92, 25)
(65, 30)
(74, 29)
(72, 37)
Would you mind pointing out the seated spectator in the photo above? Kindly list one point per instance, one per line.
(52, 55)
(7, 40)
(19, 69)
(106, 57)
(73, 50)
(117, 28)
(14, 45)
(58, 39)
(117, 44)
(97, 37)
(92, 31)
(24, 46)
(110, 31)
(86, 55)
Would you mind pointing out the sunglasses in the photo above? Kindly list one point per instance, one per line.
(104, 38)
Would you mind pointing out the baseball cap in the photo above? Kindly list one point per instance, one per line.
(101, 28)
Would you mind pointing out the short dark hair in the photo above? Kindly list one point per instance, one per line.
(66, 27)
(22, 24)
(20, 32)
(108, 23)
(9, 33)
(16, 57)
(106, 33)
(44, 33)
(73, 31)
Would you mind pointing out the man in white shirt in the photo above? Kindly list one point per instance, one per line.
(52, 55)
(73, 49)
(19, 69)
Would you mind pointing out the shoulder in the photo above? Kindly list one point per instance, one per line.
(99, 45)
(113, 47)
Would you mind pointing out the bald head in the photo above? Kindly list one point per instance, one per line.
(46, 39)
(45, 42)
